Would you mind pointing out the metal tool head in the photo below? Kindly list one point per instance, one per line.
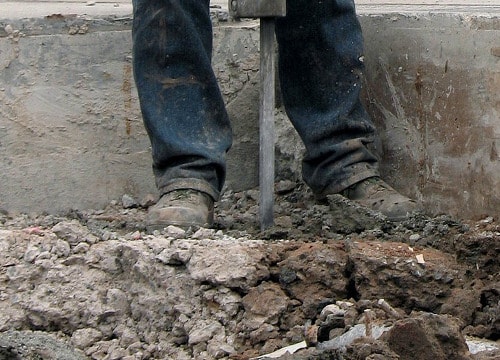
(257, 8)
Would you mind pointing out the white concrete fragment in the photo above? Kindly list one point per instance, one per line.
(332, 309)
(83, 338)
(286, 350)
(356, 332)
(175, 231)
(480, 345)
(414, 237)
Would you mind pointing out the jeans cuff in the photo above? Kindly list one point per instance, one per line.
(337, 187)
(190, 183)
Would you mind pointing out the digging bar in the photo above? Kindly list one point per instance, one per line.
(266, 11)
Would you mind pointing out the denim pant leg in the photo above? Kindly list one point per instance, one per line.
(320, 65)
(181, 104)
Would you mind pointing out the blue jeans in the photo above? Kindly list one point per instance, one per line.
(320, 66)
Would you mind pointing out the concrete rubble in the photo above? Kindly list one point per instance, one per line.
(100, 285)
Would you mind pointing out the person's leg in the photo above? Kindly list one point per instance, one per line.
(320, 68)
(182, 108)
(181, 104)
(320, 64)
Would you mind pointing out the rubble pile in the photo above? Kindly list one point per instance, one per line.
(329, 281)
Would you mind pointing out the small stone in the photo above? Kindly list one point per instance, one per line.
(219, 350)
(157, 243)
(81, 248)
(35, 230)
(136, 235)
(253, 194)
(229, 301)
(44, 255)
(116, 354)
(106, 235)
(83, 29)
(73, 30)
(73, 260)
(126, 335)
(148, 200)
(415, 237)
(287, 275)
(8, 29)
(117, 299)
(175, 232)
(128, 202)
(488, 220)
(175, 256)
(212, 265)
(83, 338)
(73, 232)
(265, 303)
(285, 186)
(332, 309)
(156, 233)
(31, 254)
(344, 304)
(202, 332)
(284, 222)
(311, 335)
(61, 248)
(203, 233)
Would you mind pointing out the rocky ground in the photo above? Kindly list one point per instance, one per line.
(334, 280)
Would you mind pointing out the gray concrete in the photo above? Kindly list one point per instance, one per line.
(433, 86)
(71, 134)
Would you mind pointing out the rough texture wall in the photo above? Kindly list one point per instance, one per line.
(71, 133)
(433, 86)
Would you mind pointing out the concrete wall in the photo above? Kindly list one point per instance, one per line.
(433, 87)
(71, 134)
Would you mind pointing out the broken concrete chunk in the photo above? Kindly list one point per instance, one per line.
(128, 202)
(73, 232)
(175, 232)
(83, 338)
(435, 337)
(265, 303)
(204, 331)
(332, 309)
(420, 259)
(356, 332)
(286, 350)
(228, 264)
(175, 256)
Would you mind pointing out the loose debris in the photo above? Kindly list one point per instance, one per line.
(340, 281)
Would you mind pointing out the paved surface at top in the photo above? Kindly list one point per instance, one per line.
(40, 8)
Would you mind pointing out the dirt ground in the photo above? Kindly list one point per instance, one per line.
(340, 281)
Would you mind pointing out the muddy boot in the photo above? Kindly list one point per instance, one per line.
(376, 194)
(181, 208)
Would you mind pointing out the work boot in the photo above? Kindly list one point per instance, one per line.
(181, 208)
(376, 194)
